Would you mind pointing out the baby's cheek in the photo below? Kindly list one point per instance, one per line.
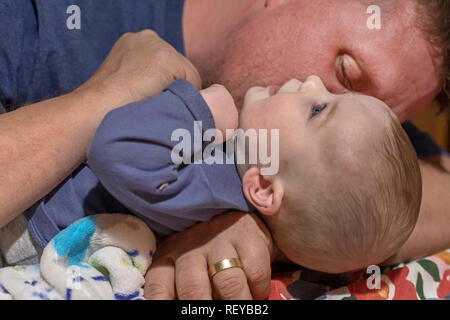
(288, 147)
(279, 111)
(255, 116)
(275, 113)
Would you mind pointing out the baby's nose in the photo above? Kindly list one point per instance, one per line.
(292, 85)
(312, 83)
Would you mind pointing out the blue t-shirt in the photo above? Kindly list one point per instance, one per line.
(40, 58)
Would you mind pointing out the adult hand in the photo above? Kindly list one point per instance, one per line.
(34, 143)
(180, 266)
(140, 65)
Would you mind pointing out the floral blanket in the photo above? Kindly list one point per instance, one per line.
(423, 279)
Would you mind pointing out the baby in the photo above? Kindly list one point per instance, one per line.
(349, 187)
(346, 195)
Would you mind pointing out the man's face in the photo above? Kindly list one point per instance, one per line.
(281, 40)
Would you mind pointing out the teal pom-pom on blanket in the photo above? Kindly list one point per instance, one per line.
(74, 240)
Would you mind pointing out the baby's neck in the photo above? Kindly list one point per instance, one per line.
(241, 168)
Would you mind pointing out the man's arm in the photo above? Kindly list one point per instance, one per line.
(431, 234)
(42, 143)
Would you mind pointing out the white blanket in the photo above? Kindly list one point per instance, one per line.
(98, 257)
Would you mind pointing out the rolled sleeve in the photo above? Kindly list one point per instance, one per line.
(131, 151)
(131, 156)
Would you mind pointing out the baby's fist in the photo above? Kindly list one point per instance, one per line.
(222, 107)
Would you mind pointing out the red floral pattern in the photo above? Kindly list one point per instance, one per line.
(427, 278)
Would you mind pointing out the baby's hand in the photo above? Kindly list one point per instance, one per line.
(222, 107)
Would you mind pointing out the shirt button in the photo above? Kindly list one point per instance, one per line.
(163, 186)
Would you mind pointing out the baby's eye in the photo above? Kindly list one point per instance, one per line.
(316, 109)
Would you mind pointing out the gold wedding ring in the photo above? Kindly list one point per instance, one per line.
(224, 264)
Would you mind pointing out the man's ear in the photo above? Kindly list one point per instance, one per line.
(264, 194)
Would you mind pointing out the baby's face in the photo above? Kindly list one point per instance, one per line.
(315, 126)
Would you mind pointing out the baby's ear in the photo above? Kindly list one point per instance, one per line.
(265, 195)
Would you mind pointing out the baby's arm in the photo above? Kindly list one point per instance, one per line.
(131, 156)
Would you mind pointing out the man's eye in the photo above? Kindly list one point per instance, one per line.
(347, 70)
(316, 109)
(345, 80)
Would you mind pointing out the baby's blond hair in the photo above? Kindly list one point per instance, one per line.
(367, 218)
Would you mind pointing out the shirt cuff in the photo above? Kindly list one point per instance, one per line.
(192, 98)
